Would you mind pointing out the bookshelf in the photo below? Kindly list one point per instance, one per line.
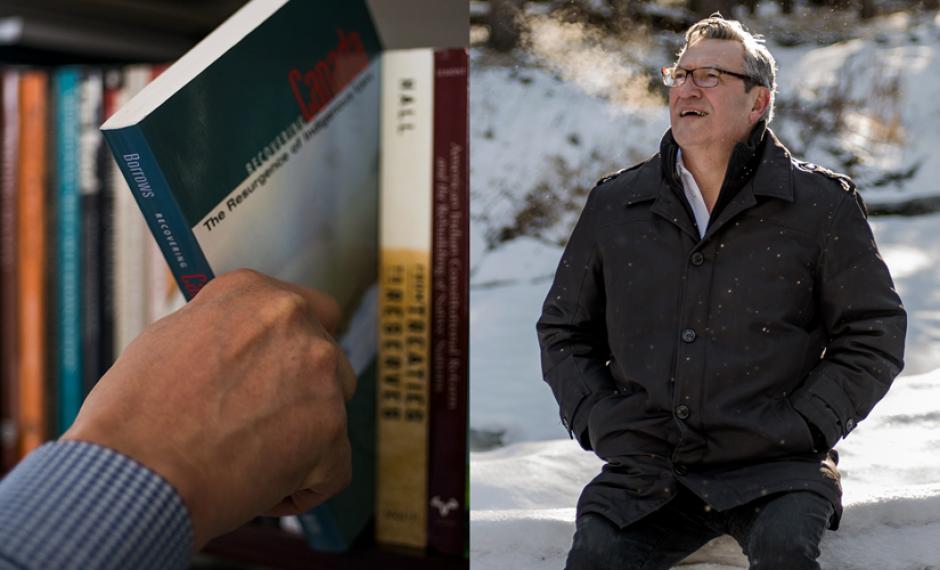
(85, 31)
(53, 33)
(272, 548)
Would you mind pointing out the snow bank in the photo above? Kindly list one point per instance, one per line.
(523, 495)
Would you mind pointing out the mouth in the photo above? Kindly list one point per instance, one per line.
(692, 113)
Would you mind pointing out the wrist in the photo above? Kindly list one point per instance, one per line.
(172, 468)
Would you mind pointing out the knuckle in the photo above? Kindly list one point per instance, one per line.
(244, 274)
(285, 305)
(325, 356)
(335, 376)
(239, 277)
(229, 280)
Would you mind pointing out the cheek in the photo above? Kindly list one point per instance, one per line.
(732, 111)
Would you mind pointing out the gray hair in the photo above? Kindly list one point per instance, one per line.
(759, 64)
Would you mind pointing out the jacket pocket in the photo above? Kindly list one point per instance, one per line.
(621, 426)
(769, 429)
(599, 418)
(797, 430)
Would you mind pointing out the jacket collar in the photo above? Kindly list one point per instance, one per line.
(760, 166)
(774, 174)
(771, 175)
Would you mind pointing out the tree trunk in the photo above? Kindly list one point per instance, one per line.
(504, 24)
(913, 207)
(705, 8)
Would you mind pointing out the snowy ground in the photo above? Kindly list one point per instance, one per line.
(528, 120)
(523, 495)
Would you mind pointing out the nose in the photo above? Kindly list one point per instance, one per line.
(687, 89)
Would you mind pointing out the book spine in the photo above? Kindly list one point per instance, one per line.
(450, 257)
(130, 236)
(90, 143)
(51, 286)
(404, 300)
(31, 261)
(107, 258)
(68, 252)
(8, 300)
(160, 209)
(161, 288)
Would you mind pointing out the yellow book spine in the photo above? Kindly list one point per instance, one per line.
(404, 311)
(404, 297)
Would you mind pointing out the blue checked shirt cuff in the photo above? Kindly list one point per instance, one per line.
(77, 505)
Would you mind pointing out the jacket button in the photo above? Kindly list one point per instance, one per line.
(682, 412)
(697, 258)
(849, 424)
(680, 469)
(688, 335)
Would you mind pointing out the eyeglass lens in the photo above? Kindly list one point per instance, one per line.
(703, 77)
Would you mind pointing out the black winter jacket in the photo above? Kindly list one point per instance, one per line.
(705, 362)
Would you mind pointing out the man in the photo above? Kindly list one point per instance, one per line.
(719, 319)
(231, 407)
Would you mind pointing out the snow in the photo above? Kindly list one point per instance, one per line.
(523, 495)
(538, 121)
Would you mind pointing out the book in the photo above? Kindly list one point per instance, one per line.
(9, 141)
(50, 342)
(31, 261)
(107, 257)
(404, 297)
(67, 86)
(450, 299)
(259, 149)
(90, 206)
(163, 296)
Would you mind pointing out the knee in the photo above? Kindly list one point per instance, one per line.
(581, 558)
(783, 547)
(591, 548)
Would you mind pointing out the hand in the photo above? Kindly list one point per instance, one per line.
(237, 399)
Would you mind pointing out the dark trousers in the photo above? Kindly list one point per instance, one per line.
(780, 531)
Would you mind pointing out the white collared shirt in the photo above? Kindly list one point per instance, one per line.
(694, 195)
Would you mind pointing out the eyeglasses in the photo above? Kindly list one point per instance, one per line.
(705, 77)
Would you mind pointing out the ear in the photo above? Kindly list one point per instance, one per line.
(760, 104)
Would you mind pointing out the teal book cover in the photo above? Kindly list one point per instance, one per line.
(66, 86)
(260, 148)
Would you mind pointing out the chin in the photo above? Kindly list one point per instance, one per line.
(684, 138)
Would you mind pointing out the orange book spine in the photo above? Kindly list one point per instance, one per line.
(31, 261)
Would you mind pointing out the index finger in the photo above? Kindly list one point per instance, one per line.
(324, 307)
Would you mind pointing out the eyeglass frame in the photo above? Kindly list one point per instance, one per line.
(691, 72)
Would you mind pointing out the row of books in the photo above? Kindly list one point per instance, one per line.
(266, 146)
(81, 274)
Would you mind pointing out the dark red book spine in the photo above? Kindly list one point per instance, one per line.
(450, 259)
